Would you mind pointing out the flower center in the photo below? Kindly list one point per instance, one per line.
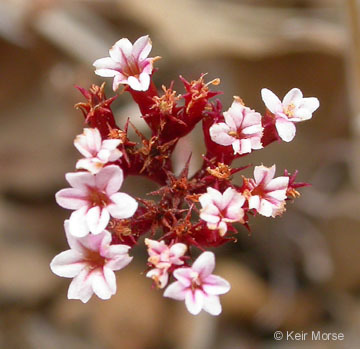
(132, 69)
(290, 110)
(94, 259)
(258, 191)
(98, 198)
(195, 283)
(234, 134)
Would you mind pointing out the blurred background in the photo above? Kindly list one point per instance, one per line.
(299, 272)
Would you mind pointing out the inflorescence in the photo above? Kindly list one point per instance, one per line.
(186, 214)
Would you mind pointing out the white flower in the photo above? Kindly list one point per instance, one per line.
(267, 194)
(219, 209)
(198, 286)
(97, 152)
(95, 198)
(91, 261)
(242, 129)
(128, 64)
(294, 108)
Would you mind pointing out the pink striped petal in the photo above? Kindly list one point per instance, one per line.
(194, 301)
(204, 264)
(176, 291)
(97, 219)
(71, 198)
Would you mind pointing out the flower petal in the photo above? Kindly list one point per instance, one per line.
(80, 287)
(215, 285)
(204, 264)
(106, 64)
(271, 101)
(110, 179)
(97, 219)
(286, 129)
(80, 180)
(212, 305)
(263, 175)
(194, 301)
(294, 96)
(310, 103)
(121, 51)
(77, 223)
(67, 264)
(100, 285)
(266, 208)
(71, 198)
(219, 134)
(141, 48)
(123, 206)
(176, 291)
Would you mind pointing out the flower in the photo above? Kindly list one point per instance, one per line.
(198, 287)
(97, 152)
(128, 64)
(163, 258)
(266, 193)
(91, 261)
(219, 209)
(242, 129)
(294, 108)
(94, 198)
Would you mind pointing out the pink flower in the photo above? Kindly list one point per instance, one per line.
(242, 129)
(95, 198)
(128, 64)
(198, 287)
(97, 152)
(163, 258)
(91, 261)
(219, 209)
(267, 194)
(294, 108)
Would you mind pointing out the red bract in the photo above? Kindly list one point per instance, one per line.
(185, 215)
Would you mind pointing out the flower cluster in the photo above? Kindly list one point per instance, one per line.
(185, 214)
